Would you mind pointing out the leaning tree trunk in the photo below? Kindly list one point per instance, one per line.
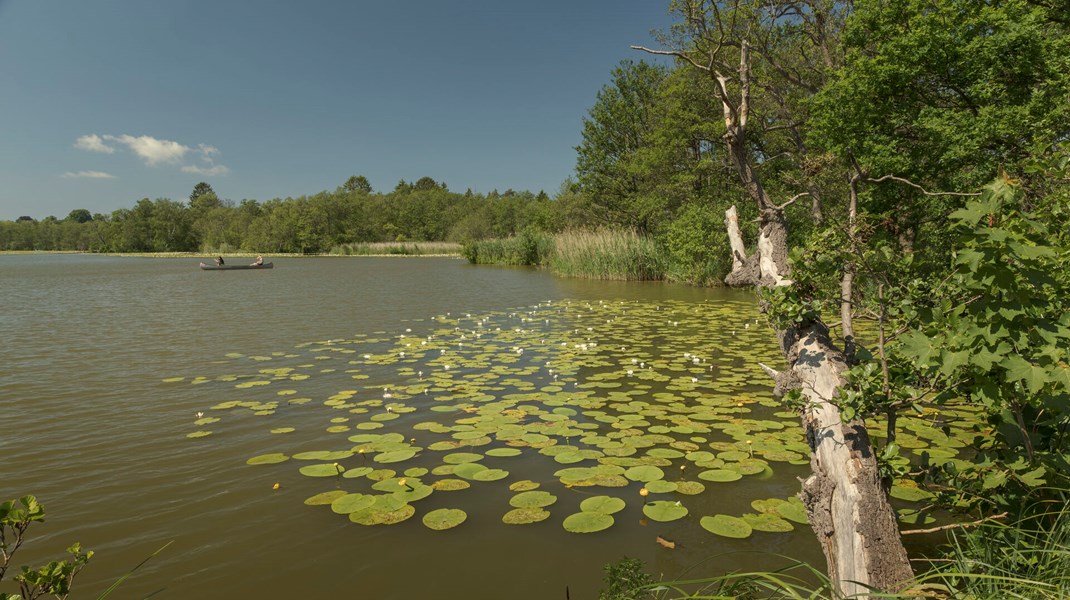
(845, 499)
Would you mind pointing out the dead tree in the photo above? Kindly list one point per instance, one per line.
(845, 498)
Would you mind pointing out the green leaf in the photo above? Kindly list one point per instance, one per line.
(1020, 369)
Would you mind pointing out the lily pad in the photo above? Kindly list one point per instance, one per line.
(532, 499)
(664, 510)
(587, 522)
(602, 504)
(268, 459)
(393, 457)
(524, 516)
(644, 473)
(350, 503)
(322, 470)
(726, 526)
(720, 475)
(523, 485)
(444, 518)
(325, 497)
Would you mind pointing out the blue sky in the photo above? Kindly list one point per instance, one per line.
(105, 102)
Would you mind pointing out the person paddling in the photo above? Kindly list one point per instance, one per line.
(219, 261)
(259, 261)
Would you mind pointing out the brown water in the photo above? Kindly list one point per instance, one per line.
(88, 425)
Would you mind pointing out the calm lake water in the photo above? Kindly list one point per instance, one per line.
(91, 428)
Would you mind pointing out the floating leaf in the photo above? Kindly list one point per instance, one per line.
(488, 475)
(587, 522)
(198, 434)
(664, 510)
(325, 497)
(322, 470)
(393, 457)
(349, 503)
(644, 473)
(720, 475)
(726, 525)
(267, 459)
(767, 522)
(793, 510)
(532, 499)
(450, 485)
(602, 504)
(524, 516)
(444, 518)
(523, 486)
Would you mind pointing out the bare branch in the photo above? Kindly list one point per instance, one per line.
(1002, 515)
(770, 371)
(673, 53)
(918, 187)
(792, 201)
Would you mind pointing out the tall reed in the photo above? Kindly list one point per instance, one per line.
(608, 254)
(529, 248)
(397, 248)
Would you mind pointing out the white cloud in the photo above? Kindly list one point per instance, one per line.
(88, 175)
(153, 151)
(211, 170)
(93, 143)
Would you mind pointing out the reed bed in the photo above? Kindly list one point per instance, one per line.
(608, 254)
(530, 248)
(398, 249)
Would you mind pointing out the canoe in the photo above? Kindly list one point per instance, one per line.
(208, 267)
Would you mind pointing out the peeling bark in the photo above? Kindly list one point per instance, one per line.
(845, 499)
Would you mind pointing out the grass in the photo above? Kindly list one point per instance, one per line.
(397, 249)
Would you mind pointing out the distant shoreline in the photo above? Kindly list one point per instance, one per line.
(223, 254)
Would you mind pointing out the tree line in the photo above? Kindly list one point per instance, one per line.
(424, 210)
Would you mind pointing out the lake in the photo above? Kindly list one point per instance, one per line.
(107, 362)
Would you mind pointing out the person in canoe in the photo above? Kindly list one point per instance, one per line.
(219, 261)
(259, 261)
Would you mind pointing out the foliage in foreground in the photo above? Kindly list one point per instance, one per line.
(1029, 558)
(54, 578)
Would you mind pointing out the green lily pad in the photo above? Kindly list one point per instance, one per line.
(393, 457)
(720, 475)
(350, 503)
(450, 485)
(268, 459)
(458, 458)
(532, 499)
(660, 487)
(793, 510)
(587, 522)
(322, 470)
(524, 516)
(198, 434)
(664, 510)
(726, 526)
(325, 497)
(644, 473)
(501, 452)
(602, 504)
(767, 522)
(444, 518)
(488, 475)
(523, 485)
(690, 488)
